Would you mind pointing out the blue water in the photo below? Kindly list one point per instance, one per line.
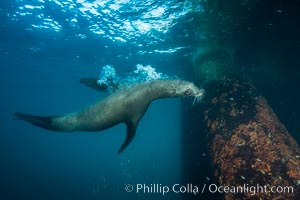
(46, 47)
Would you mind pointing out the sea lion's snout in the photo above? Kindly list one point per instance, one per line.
(194, 91)
(201, 93)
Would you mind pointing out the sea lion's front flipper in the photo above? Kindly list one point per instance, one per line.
(108, 86)
(92, 83)
(131, 129)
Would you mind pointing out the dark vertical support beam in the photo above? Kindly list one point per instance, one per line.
(196, 163)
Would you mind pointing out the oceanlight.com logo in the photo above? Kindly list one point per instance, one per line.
(212, 188)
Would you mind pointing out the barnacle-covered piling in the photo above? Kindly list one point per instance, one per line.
(249, 147)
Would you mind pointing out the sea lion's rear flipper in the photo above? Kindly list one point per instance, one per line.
(131, 129)
(44, 122)
(92, 83)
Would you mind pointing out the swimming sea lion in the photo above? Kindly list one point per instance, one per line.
(126, 105)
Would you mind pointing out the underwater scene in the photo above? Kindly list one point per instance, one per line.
(131, 99)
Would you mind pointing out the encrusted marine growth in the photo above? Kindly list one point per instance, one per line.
(248, 144)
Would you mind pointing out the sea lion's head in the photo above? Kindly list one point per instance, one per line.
(188, 89)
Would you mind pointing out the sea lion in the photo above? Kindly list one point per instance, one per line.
(123, 106)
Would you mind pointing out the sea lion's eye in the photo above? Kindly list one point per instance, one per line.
(188, 92)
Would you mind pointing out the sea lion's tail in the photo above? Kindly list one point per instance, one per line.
(44, 122)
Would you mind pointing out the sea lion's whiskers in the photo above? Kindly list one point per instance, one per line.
(197, 99)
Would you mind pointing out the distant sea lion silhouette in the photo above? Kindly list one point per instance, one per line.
(123, 106)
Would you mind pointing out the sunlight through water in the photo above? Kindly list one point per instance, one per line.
(117, 20)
